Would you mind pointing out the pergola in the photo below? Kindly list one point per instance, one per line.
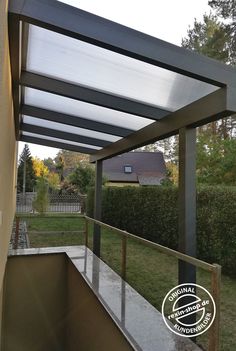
(87, 84)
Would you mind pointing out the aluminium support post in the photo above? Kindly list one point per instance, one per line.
(187, 210)
(97, 208)
(187, 202)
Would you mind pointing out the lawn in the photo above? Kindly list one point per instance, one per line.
(151, 273)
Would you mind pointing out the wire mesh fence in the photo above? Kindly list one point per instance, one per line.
(67, 203)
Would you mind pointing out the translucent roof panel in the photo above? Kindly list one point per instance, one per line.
(69, 129)
(77, 108)
(39, 136)
(68, 59)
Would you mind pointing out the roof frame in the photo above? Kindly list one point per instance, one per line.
(216, 105)
(82, 25)
(76, 23)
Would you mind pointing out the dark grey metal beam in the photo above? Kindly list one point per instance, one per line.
(187, 202)
(24, 44)
(97, 209)
(14, 45)
(58, 145)
(91, 96)
(75, 121)
(73, 22)
(24, 53)
(63, 135)
(212, 107)
(187, 209)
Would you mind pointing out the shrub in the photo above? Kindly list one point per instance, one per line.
(152, 213)
(40, 204)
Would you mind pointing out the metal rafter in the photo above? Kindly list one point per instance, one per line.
(58, 145)
(91, 96)
(30, 128)
(75, 121)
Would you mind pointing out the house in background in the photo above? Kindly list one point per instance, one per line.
(135, 168)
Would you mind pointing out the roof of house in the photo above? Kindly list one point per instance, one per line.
(148, 168)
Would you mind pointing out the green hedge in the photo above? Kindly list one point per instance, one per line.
(152, 213)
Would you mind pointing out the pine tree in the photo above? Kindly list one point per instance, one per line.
(25, 166)
(227, 11)
(208, 38)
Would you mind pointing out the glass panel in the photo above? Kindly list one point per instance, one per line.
(71, 60)
(60, 140)
(69, 129)
(73, 107)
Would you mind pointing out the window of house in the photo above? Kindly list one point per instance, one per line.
(128, 169)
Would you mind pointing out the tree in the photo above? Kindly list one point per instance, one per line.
(26, 175)
(216, 161)
(213, 39)
(66, 187)
(227, 11)
(172, 173)
(71, 159)
(53, 181)
(60, 167)
(168, 146)
(50, 164)
(208, 38)
(214, 141)
(39, 167)
(83, 177)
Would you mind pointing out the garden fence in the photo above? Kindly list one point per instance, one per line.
(57, 203)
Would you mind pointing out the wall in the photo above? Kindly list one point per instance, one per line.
(35, 300)
(1, 305)
(89, 325)
(49, 306)
(7, 146)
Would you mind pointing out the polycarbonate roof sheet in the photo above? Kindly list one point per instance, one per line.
(68, 129)
(39, 136)
(71, 60)
(78, 108)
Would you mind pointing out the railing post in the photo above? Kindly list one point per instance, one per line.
(17, 233)
(123, 261)
(214, 337)
(86, 232)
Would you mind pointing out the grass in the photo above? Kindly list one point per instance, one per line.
(151, 273)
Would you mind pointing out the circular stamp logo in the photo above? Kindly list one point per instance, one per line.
(188, 310)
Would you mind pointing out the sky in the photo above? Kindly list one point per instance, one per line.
(165, 19)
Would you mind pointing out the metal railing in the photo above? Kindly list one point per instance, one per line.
(214, 269)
